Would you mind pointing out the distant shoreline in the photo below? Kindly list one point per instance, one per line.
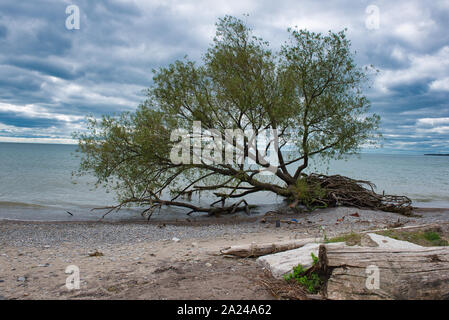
(437, 154)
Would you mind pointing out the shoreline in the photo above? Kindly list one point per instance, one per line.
(332, 221)
(205, 220)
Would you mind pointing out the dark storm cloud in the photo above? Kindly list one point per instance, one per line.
(16, 120)
(3, 31)
(50, 77)
(44, 66)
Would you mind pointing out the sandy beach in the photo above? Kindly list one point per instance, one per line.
(147, 261)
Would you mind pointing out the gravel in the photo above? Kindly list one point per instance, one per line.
(48, 235)
(87, 234)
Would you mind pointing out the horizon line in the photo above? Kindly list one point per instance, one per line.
(372, 151)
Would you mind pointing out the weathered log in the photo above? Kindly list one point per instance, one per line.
(282, 263)
(403, 274)
(261, 249)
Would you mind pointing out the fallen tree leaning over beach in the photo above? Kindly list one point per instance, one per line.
(309, 95)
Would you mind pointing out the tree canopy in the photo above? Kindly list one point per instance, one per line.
(309, 93)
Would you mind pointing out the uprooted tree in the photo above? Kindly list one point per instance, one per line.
(309, 93)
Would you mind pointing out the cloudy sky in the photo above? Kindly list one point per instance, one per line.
(51, 77)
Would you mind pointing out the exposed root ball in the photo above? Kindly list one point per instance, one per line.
(344, 191)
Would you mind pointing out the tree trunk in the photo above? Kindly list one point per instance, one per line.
(410, 274)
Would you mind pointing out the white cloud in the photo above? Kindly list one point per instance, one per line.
(52, 134)
(399, 54)
(35, 111)
(408, 21)
(432, 125)
(38, 140)
(440, 85)
(422, 67)
(439, 130)
(432, 121)
(69, 91)
(414, 32)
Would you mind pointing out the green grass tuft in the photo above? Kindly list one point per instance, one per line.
(351, 239)
(311, 282)
(426, 238)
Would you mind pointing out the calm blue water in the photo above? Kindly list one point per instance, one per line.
(36, 182)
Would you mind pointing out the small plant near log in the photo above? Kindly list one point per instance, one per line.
(311, 282)
(431, 236)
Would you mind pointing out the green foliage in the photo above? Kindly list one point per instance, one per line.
(310, 90)
(308, 194)
(311, 282)
(314, 258)
(431, 236)
(314, 61)
(298, 271)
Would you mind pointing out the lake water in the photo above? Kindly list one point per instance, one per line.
(36, 182)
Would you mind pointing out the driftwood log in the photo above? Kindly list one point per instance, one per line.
(260, 249)
(350, 273)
